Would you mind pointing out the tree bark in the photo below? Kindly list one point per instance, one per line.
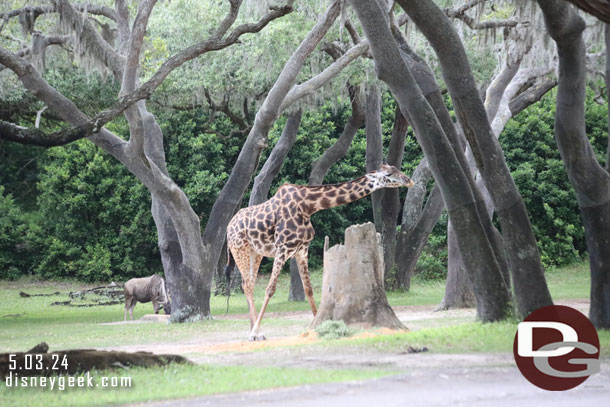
(296, 292)
(374, 145)
(390, 198)
(590, 180)
(491, 291)
(607, 81)
(427, 83)
(527, 272)
(413, 237)
(458, 289)
(352, 289)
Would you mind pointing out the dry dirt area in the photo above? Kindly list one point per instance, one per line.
(231, 347)
(430, 379)
(219, 346)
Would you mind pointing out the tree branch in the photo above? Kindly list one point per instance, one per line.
(132, 62)
(90, 38)
(482, 25)
(36, 137)
(224, 108)
(22, 67)
(308, 87)
(531, 95)
(122, 23)
(597, 8)
(39, 10)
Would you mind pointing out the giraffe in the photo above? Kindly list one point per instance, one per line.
(281, 228)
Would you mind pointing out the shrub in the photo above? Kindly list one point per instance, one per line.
(333, 330)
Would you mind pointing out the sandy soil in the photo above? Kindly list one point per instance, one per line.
(231, 347)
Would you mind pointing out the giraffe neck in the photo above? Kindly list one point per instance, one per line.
(322, 197)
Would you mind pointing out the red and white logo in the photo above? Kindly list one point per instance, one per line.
(556, 348)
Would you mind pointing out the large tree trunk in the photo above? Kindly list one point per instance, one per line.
(374, 145)
(178, 230)
(390, 199)
(607, 80)
(427, 83)
(458, 289)
(590, 180)
(352, 288)
(527, 272)
(491, 291)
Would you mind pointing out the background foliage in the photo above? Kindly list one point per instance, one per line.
(76, 212)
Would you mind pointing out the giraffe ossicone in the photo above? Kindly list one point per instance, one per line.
(281, 228)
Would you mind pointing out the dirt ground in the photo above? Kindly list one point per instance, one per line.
(430, 379)
(208, 347)
(232, 348)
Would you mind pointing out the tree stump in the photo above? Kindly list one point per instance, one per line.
(352, 285)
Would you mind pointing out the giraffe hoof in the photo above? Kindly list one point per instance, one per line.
(253, 338)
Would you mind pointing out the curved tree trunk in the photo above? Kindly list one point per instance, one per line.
(527, 272)
(454, 182)
(338, 150)
(273, 165)
(607, 80)
(374, 145)
(590, 180)
(426, 81)
(412, 239)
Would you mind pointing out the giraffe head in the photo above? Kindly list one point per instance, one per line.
(388, 176)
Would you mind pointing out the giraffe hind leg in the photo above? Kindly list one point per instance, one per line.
(301, 258)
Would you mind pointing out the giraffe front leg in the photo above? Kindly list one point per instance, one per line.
(278, 263)
(301, 258)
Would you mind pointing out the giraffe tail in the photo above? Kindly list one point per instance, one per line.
(228, 271)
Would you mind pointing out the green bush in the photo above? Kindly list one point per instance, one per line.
(93, 220)
(333, 330)
(432, 264)
(13, 229)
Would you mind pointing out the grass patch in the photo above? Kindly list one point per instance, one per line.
(333, 330)
(569, 282)
(177, 381)
(473, 337)
(27, 321)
